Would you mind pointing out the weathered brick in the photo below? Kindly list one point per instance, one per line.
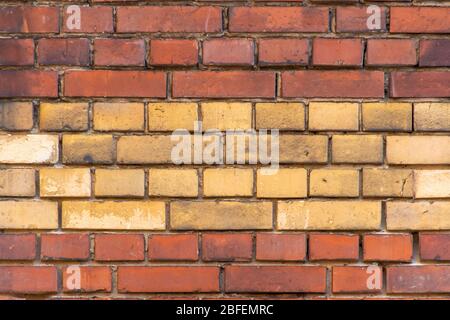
(284, 247)
(354, 19)
(356, 279)
(226, 116)
(324, 246)
(165, 247)
(285, 183)
(28, 279)
(28, 19)
(119, 182)
(64, 182)
(228, 182)
(303, 149)
(419, 20)
(432, 116)
(434, 53)
(31, 148)
(16, 52)
(119, 52)
(182, 52)
(94, 20)
(67, 246)
(379, 116)
(418, 279)
(421, 215)
(281, 116)
(388, 247)
(17, 246)
(227, 247)
(334, 183)
(168, 116)
(118, 116)
(283, 51)
(28, 215)
(432, 183)
(22, 83)
(119, 247)
(92, 279)
(330, 116)
(72, 52)
(337, 52)
(357, 149)
(420, 84)
(16, 116)
(434, 246)
(17, 182)
(173, 182)
(387, 182)
(417, 149)
(228, 52)
(63, 116)
(391, 52)
(87, 149)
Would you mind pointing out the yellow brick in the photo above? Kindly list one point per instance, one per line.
(226, 116)
(387, 116)
(56, 182)
(357, 149)
(282, 116)
(119, 182)
(387, 183)
(418, 149)
(286, 183)
(31, 148)
(17, 183)
(334, 183)
(330, 116)
(173, 182)
(432, 116)
(87, 149)
(228, 182)
(16, 115)
(63, 116)
(171, 116)
(113, 215)
(303, 149)
(421, 215)
(432, 183)
(329, 215)
(28, 215)
(118, 116)
(222, 215)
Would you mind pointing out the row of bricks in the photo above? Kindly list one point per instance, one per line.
(166, 116)
(226, 215)
(225, 84)
(209, 19)
(227, 182)
(225, 51)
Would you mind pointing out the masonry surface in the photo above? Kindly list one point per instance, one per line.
(86, 177)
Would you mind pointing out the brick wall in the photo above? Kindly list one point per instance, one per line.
(92, 204)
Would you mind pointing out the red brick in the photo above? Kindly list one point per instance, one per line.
(73, 52)
(387, 247)
(283, 52)
(92, 279)
(434, 53)
(354, 279)
(418, 279)
(173, 52)
(332, 84)
(110, 83)
(278, 19)
(16, 52)
(116, 247)
(337, 52)
(420, 19)
(28, 19)
(227, 247)
(168, 279)
(64, 246)
(228, 52)
(173, 247)
(283, 247)
(333, 246)
(169, 19)
(33, 280)
(391, 52)
(119, 52)
(435, 246)
(425, 84)
(275, 279)
(226, 84)
(93, 20)
(17, 246)
(22, 83)
(354, 19)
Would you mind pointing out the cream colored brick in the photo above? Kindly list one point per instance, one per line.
(63, 116)
(387, 182)
(119, 182)
(432, 183)
(286, 183)
(173, 183)
(118, 116)
(331, 116)
(282, 116)
(226, 115)
(432, 116)
(171, 116)
(334, 183)
(421, 215)
(418, 149)
(32, 148)
(222, 215)
(329, 215)
(16, 115)
(303, 149)
(17, 183)
(88, 148)
(357, 149)
(56, 182)
(228, 182)
(113, 215)
(387, 116)
(28, 215)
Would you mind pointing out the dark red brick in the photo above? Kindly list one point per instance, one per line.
(17, 246)
(73, 52)
(227, 247)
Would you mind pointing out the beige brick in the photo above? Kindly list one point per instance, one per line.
(329, 215)
(334, 183)
(432, 183)
(119, 182)
(16, 115)
(418, 149)
(113, 215)
(88, 149)
(226, 116)
(285, 183)
(17, 183)
(63, 116)
(387, 116)
(432, 116)
(58, 182)
(357, 149)
(33, 148)
(421, 215)
(118, 116)
(220, 215)
(387, 182)
(227, 182)
(171, 116)
(303, 149)
(28, 215)
(331, 116)
(173, 182)
(282, 116)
